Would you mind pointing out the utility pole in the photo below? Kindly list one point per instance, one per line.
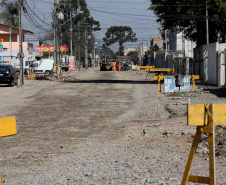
(10, 40)
(21, 46)
(55, 36)
(142, 59)
(71, 31)
(79, 57)
(207, 25)
(94, 56)
(166, 45)
(86, 48)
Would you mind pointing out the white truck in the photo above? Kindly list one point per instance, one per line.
(44, 66)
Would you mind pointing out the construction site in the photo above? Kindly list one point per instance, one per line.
(106, 127)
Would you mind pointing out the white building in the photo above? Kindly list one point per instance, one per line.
(177, 42)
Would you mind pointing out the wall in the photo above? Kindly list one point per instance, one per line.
(160, 61)
(214, 52)
(178, 43)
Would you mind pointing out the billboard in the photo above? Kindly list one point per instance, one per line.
(49, 48)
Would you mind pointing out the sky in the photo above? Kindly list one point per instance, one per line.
(132, 13)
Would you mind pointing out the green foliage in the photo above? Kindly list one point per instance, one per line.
(134, 56)
(10, 14)
(105, 50)
(80, 19)
(189, 17)
(150, 52)
(120, 34)
(155, 47)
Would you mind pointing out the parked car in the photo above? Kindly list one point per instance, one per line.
(8, 75)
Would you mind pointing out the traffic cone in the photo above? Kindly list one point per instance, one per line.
(28, 75)
(68, 72)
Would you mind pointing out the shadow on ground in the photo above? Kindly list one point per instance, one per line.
(213, 89)
(113, 81)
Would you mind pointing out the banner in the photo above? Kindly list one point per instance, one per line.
(63, 48)
(170, 85)
(1, 42)
(71, 62)
(1, 49)
(49, 48)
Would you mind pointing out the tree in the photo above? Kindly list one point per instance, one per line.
(189, 17)
(134, 56)
(155, 47)
(150, 52)
(120, 34)
(108, 52)
(10, 14)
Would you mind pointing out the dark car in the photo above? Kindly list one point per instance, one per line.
(8, 75)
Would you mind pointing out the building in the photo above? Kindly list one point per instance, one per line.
(177, 47)
(156, 39)
(10, 36)
(209, 63)
(178, 43)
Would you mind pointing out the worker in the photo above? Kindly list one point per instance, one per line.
(113, 66)
(119, 66)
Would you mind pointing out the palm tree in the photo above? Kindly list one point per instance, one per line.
(10, 14)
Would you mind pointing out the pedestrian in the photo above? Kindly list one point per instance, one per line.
(113, 66)
(119, 66)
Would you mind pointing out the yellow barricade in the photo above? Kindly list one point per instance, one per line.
(8, 126)
(159, 78)
(144, 67)
(205, 117)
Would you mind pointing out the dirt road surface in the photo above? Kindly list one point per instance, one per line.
(97, 127)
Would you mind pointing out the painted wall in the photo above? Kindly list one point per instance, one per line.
(214, 51)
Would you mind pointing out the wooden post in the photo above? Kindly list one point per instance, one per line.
(211, 141)
(191, 156)
(1, 181)
(159, 84)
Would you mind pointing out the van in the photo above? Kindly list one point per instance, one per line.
(44, 66)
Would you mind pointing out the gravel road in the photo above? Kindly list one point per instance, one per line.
(100, 127)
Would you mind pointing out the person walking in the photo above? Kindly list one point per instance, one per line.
(119, 66)
(113, 66)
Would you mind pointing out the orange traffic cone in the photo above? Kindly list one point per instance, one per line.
(28, 75)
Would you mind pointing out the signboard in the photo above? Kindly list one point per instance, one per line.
(63, 48)
(1, 49)
(49, 48)
(1, 42)
(170, 85)
(20, 55)
(71, 62)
